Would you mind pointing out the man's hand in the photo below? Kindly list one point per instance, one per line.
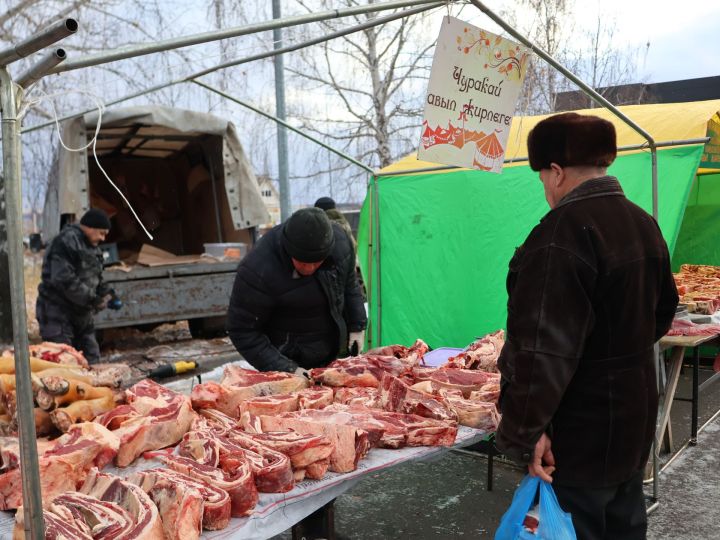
(302, 372)
(356, 341)
(101, 302)
(543, 454)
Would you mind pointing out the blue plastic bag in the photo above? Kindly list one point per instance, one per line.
(554, 523)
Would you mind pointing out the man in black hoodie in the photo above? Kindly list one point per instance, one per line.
(296, 303)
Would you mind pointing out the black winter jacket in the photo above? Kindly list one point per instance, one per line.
(72, 273)
(590, 292)
(278, 320)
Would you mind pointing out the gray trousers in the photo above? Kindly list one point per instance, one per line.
(59, 325)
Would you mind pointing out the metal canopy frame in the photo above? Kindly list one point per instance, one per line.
(11, 166)
(11, 148)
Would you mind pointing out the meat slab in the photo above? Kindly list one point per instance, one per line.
(482, 354)
(65, 464)
(239, 484)
(145, 519)
(153, 418)
(360, 396)
(239, 385)
(216, 507)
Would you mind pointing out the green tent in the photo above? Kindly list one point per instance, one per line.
(434, 246)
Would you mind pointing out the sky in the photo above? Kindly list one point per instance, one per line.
(684, 36)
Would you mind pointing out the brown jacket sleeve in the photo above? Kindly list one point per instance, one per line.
(550, 315)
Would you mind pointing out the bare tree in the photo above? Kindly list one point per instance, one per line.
(363, 90)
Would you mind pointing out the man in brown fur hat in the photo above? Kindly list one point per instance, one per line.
(590, 292)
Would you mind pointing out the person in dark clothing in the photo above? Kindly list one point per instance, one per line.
(71, 289)
(295, 303)
(328, 205)
(589, 294)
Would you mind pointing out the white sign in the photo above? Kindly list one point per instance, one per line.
(474, 85)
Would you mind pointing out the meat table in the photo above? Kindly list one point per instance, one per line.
(276, 512)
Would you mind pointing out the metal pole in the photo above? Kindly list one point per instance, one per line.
(195, 39)
(32, 500)
(282, 141)
(47, 36)
(587, 90)
(39, 70)
(378, 277)
(283, 122)
(521, 159)
(260, 56)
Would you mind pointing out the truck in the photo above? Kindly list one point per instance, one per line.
(188, 183)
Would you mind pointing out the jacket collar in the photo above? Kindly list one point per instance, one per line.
(603, 186)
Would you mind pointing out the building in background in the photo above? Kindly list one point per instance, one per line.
(271, 198)
(701, 89)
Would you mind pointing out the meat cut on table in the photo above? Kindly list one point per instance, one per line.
(65, 463)
(216, 501)
(239, 385)
(398, 396)
(362, 396)
(481, 354)
(153, 418)
(145, 518)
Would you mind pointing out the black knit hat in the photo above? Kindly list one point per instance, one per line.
(95, 219)
(308, 235)
(325, 203)
(571, 139)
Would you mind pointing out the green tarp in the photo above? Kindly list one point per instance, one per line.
(445, 240)
(698, 241)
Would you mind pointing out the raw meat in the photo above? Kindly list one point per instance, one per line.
(465, 380)
(350, 444)
(397, 396)
(216, 508)
(271, 470)
(482, 354)
(155, 417)
(263, 383)
(304, 451)
(683, 327)
(474, 414)
(239, 385)
(239, 483)
(146, 524)
(59, 353)
(315, 397)
(107, 520)
(64, 465)
(270, 404)
(180, 507)
(361, 396)
(60, 524)
(362, 371)
(489, 393)
(413, 354)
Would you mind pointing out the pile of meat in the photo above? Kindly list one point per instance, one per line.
(250, 433)
(65, 389)
(684, 327)
(699, 287)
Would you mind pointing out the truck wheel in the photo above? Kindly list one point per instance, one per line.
(207, 327)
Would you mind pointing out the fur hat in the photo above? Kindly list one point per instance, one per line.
(308, 235)
(571, 139)
(95, 219)
(325, 203)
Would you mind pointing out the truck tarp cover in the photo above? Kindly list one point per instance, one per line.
(67, 193)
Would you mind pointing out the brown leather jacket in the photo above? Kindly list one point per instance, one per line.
(590, 292)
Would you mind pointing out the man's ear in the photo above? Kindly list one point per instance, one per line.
(559, 172)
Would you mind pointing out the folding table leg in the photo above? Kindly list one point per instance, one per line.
(676, 358)
(695, 396)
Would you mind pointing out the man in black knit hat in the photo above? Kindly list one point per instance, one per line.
(589, 293)
(71, 289)
(296, 303)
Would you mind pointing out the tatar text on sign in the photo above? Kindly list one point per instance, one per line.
(474, 86)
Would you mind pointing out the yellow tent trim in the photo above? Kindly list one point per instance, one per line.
(663, 121)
